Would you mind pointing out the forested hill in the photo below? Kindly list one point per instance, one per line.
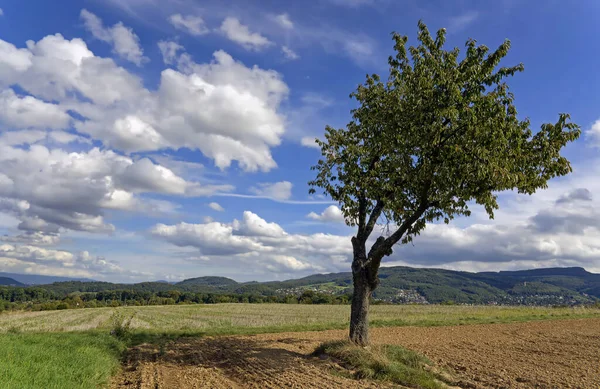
(9, 282)
(550, 286)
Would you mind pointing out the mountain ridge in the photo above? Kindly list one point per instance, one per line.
(399, 284)
(6, 281)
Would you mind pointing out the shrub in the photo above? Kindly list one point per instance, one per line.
(121, 326)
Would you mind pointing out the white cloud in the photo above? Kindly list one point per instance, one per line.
(358, 48)
(352, 3)
(264, 244)
(124, 41)
(276, 190)
(145, 176)
(239, 33)
(309, 141)
(13, 60)
(36, 254)
(593, 134)
(53, 69)
(37, 260)
(23, 137)
(284, 21)
(330, 214)
(286, 262)
(50, 189)
(1, 12)
(32, 238)
(458, 23)
(212, 238)
(254, 225)
(289, 53)
(239, 120)
(216, 207)
(29, 112)
(193, 25)
(169, 50)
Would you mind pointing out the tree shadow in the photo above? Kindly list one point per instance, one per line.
(242, 359)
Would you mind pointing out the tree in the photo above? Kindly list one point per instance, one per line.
(439, 134)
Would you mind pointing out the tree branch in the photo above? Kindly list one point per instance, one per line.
(362, 213)
(383, 246)
(375, 213)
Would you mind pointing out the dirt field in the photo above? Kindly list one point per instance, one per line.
(546, 354)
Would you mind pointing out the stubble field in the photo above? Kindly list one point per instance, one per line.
(244, 345)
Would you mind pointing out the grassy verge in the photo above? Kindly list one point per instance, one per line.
(385, 363)
(58, 360)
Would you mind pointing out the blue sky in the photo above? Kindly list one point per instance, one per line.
(147, 139)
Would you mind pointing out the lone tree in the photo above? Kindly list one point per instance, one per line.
(436, 135)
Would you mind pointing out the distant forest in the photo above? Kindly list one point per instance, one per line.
(399, 285)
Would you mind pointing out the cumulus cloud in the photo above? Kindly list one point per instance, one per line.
(211, 238)
(549, 231)
(193, 25)
(330, 214)
(29, 112)
(276, 190)
(49, 189)
(266, 244)
(32, 259)
(124, 41)
(54, 69)
(254, 225)
(216, 207)
(239, 33)
(239, 120)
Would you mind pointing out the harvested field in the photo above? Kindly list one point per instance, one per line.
(546, 354)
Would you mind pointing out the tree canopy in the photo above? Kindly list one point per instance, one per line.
(439, 133)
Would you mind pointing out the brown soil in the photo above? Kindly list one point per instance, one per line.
(548, 354)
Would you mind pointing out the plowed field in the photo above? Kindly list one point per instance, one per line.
(544, 354)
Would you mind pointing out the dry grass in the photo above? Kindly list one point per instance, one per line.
(385, 363)
(254, 318)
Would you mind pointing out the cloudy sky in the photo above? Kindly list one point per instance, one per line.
(150, 139)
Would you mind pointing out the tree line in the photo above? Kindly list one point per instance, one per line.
(41, 299)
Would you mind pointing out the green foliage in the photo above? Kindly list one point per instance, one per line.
(438, 133)
(385, 362)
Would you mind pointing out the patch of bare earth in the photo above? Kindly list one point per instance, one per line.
(232, 362)
(545, 354)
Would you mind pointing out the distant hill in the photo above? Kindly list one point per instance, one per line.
(553, 286)
(10, 282)
(214, 282)
(34, 279)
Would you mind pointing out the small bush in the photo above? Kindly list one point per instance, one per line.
(385, 362)
(121, 326)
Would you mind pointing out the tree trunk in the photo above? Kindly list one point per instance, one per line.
(359, 316)
(365, 281)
